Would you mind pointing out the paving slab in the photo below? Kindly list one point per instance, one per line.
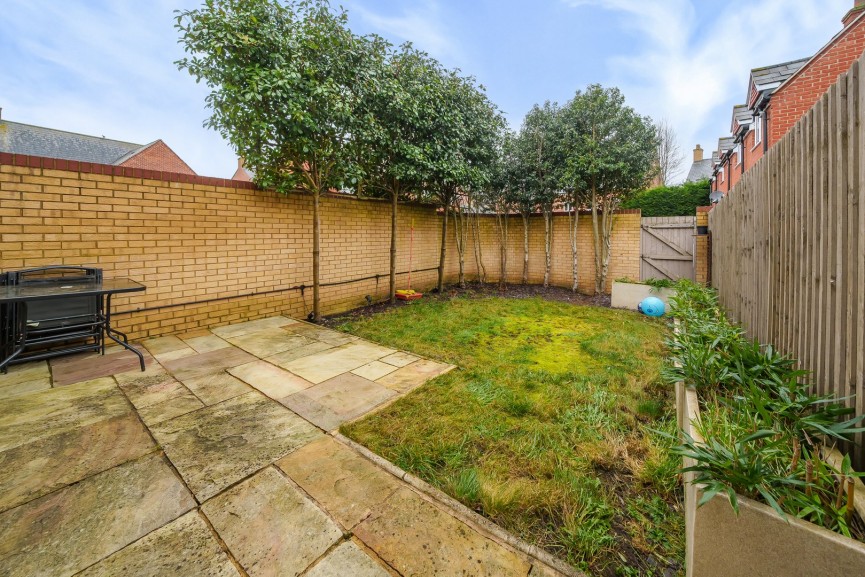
(50, 462)
(25, 378)
(374, 370)
(337, 400)
(418, 539)
(27, 418)
(413, 375)
(347, 559)
(86, 367)
(322, 334)
(173, 407)
(237, 329)
(270, 527)
(149, 387)
(185, 547)
(176, 354)
(215, 388)
(322, 366)
(161, 345)
(348, 486)
(283, 358)
(274, 382)
(268, 342)
(68, 530)
(206, 343)
(400, 359)
(204, 364)
(221, 444)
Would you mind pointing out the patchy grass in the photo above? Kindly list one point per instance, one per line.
(549, 427)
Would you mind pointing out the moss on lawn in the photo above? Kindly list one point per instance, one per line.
(548, 426)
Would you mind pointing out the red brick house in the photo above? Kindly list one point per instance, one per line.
(18, 138)
(780, 94)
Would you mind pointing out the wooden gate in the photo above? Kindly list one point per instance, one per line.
(667, 247)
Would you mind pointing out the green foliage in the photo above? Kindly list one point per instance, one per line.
(609, 151)
(681, 200)
(762, 426)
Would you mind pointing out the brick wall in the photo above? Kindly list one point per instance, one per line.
(158, 156)
(802, 90)
(214, 251)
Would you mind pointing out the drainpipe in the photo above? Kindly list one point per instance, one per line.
(764, 118)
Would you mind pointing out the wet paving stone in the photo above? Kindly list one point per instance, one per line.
(337, 400)
(347, 485)
(270, 526)
(219, 445)
(185, 547)
(68, 530)
(418, 539)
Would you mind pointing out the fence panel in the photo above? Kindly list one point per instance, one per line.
(788, 245)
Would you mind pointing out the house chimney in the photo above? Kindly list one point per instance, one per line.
(854, 13)
(698, 152)
(240, 158)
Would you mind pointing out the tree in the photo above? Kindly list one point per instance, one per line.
(609, 152)
(401, 113)
(539, 148)
(467, 126)
(669, 157)
(286, 83)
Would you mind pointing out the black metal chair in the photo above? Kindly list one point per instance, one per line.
(56, 326)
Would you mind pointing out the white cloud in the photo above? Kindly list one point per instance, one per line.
(692, 73)
(421, 24)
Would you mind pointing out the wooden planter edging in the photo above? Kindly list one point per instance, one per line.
(627, 295)
(757, 542)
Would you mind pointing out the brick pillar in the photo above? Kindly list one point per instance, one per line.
(702, 248)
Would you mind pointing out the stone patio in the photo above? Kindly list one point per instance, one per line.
(221, 460)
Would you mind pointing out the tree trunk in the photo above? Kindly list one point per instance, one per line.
(573, 225)
(548, 241)
(607, 231)
(460, 235)
(393, 215)
(316, 255)
(479, 257)
(441, 281)
(525, 248)
(502, 220)
(596, 238)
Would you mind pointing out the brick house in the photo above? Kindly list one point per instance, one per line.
(780, 94)
(18, 138)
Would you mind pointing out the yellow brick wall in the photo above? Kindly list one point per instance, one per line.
(239, 248)
(702, 248)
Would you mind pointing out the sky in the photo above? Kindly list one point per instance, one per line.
(106, 67)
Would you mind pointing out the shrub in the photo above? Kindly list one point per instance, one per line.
(681, 200)
(761, 424)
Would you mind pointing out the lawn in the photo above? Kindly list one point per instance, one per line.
(550, 426)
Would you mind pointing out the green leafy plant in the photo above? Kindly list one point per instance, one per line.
(763, 427)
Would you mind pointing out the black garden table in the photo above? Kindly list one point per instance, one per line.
(29, 331)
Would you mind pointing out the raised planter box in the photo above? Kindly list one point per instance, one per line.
(757, 541)
(627, 295)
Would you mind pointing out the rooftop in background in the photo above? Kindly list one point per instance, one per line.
(768, 78)
(19, 138)
(700, 170)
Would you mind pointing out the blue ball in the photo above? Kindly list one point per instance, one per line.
(652, 306)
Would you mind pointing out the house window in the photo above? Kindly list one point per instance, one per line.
(758, 129)
(721, 174)
(738, 152)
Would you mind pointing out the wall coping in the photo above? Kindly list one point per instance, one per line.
(26, 160)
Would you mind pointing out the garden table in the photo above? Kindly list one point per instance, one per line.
(17, 333)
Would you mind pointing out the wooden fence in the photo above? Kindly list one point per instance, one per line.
(788, 245)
